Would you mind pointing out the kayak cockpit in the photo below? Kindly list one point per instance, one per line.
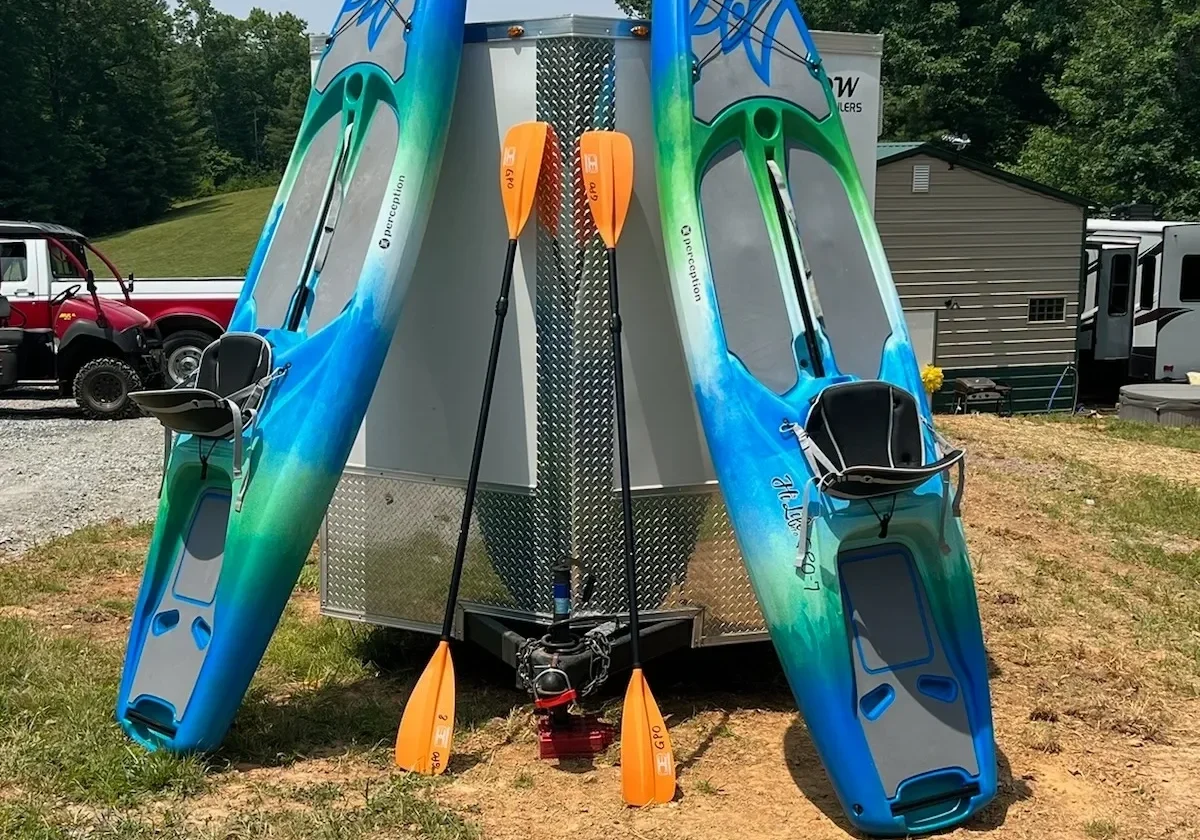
(220, 401)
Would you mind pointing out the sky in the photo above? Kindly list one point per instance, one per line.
(320, 13)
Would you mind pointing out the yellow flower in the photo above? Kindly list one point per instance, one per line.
(932, 378)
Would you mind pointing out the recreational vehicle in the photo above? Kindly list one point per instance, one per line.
(1164, 286)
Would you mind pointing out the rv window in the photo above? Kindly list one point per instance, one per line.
(1146, 300)
(1120, 279)
(1189, 279)
(1047, 310)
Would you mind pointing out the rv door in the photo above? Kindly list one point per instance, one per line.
(1178, 311)
(1114, 302)
(1086, 333)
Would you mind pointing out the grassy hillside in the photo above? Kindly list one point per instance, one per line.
(209, 237)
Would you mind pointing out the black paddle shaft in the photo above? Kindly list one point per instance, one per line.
(623, 456)
(464, 528)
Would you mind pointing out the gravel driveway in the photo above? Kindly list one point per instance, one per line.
(59, 471)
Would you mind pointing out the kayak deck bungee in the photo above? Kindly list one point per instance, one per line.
(840, 491)
(258, 437)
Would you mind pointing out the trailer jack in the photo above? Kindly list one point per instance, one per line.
(560, 666)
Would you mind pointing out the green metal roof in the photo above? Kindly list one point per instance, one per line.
(886, 153)
(883, 151)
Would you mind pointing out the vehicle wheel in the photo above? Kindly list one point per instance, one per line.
(102, 389)
(181, 354)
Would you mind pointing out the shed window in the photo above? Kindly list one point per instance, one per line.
(1189, 279)
(1120, 279)
(1146, 298)
(920, 182)
(1047, 310)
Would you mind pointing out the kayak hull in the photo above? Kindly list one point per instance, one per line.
(232, 535)
(877, 627)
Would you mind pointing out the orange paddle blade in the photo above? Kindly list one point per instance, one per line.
(520, 163)
(606, 160)
(647, 764)
(427, 727)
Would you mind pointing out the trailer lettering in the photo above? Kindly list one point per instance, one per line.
(846, 85)
(386, 241)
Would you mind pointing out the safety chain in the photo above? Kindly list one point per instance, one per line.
(596, 640)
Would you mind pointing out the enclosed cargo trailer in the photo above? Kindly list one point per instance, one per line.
(549, 489)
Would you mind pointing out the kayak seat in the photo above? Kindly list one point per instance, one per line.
(864, 440)
(220, 400)
(871, 438)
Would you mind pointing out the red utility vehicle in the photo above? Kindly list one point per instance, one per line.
(98, 340)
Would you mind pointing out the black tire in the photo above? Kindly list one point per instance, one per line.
(102, 387)
(181, 352)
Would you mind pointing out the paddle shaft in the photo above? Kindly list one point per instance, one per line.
(304, 292)
(614, 329)
(798, 280)
(464, 528)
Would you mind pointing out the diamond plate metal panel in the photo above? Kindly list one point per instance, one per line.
(575, 93)
(389, 539)
(691, 560)
(390, 547)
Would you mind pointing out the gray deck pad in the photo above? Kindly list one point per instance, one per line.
(749, 291)
(855, 321)
(758, 56)
(910, 704)
(376, 35)
(279, 274)
(357, 212)
(177, 642)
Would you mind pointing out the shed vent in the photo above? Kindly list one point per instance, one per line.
(921, 178)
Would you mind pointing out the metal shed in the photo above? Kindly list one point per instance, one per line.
(989, 267)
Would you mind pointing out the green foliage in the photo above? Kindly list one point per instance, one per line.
(115, 109)
(1095, 97)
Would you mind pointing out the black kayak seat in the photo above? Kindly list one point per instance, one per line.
(870, 434)
(864, 440)
(221, 399)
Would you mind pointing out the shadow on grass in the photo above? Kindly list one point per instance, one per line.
(200, 207)
(362, 716)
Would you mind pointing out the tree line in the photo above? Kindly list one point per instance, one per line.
(111, 110)
(1100, 98)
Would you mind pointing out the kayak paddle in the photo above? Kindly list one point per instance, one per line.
(647, 764)
(427, 726)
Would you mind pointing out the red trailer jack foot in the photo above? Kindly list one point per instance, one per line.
(562, 735)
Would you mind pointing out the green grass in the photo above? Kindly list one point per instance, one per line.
(67, 770)
(1100, 829)
(209, 237)
(395, 807)
(1182, 438)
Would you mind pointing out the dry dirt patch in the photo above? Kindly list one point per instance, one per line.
(1095, 705)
